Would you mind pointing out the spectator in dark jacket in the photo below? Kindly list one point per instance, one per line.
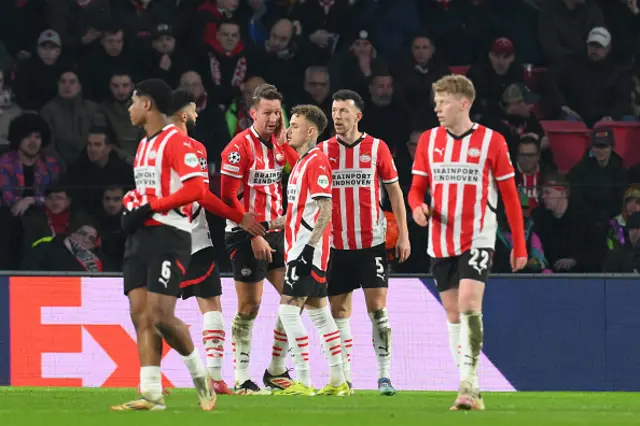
(600, 179)
(98, 167)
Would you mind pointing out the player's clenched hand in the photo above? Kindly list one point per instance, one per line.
(133, 219)
(251, 225)
(305, 261)
(403, 248)
(261, 249)
(421, 215)
(517, 263)
(278, 223)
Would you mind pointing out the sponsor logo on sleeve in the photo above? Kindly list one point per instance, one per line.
(323, 181)
(191, 160)
(230, 168)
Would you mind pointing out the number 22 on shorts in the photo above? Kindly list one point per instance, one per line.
(165, 273)
(479, 260)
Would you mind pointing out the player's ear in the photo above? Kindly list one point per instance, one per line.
(252, 113)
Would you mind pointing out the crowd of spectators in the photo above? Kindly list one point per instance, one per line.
(68, 68)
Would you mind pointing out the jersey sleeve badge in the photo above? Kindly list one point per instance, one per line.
(234, 157)
(191, 160)
(323, 181)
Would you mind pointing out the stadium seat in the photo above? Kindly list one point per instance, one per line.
(569, 141)
(462, 69)
(627, 140)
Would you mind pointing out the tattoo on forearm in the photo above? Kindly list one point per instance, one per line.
(323, 220)
(277, 223)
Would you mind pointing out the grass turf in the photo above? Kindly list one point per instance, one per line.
(71, 406)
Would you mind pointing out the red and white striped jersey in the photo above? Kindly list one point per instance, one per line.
(162, 162)
(200, 235)
(310, 179)
(259, 164)
(358, 170)
(463, 173)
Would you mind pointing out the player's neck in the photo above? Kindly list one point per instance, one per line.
(302, 150)
(265, 136)
(179, 124)
(351, 137)
(461, 127)
(155, 123)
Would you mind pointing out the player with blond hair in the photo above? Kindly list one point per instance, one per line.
(464, 165)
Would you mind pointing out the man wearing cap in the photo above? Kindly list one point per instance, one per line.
(359, 61)
(493, 73)
(600, 178)
(593, 86)
(626, 258)
(166, 60)
(36, 80)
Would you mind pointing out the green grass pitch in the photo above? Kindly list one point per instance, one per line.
(90, 407)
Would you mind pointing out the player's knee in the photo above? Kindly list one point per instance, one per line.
(249, 310)
(469, 303)
(140, 320)
(453, 316)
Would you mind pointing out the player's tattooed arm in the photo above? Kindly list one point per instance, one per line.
(277, 223)
(324, 217)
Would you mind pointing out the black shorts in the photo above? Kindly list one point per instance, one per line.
(202, 278)
(246, 268)
(314, 285)
(156, 257)
(474, 264)
(352, 269)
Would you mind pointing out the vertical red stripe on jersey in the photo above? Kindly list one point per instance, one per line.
(349, 193)
(368, 194)
(452, 203)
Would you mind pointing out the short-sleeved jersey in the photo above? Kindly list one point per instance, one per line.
(358, 171)
(200, 235)
(309, 180)
(259, 165)
(463, 173)
(162, 163)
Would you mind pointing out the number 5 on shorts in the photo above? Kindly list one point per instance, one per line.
(165, 273)
(479, 260)
(380, 269)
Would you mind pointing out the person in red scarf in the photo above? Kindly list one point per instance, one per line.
(78, 252)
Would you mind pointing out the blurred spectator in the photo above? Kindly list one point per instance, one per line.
(77, 252)
(25, 171)
(108, 220)
(211, 128)
(283, 61)
(416, 72)
(238, 115)
(316, 90)
(8, 111)
(227, 65)
(323, 23)
(537, 262)
(36, 77)
(167, 60)
(116, 113)
(599, 178)
(635, 90)
(385, 115)
(353, 67)
(530, 172)
(20, 23)
(517, 109)
(564, 228)
(110, 57)
(617, 235)
(626, 257)
(398, 20)
(493, 73)
(594, 86)
(53, 218)
(462, 28)
(79, 22)
(622, 18)
(139, 17)
(563, 26)
(70, 117)
(97, 167)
